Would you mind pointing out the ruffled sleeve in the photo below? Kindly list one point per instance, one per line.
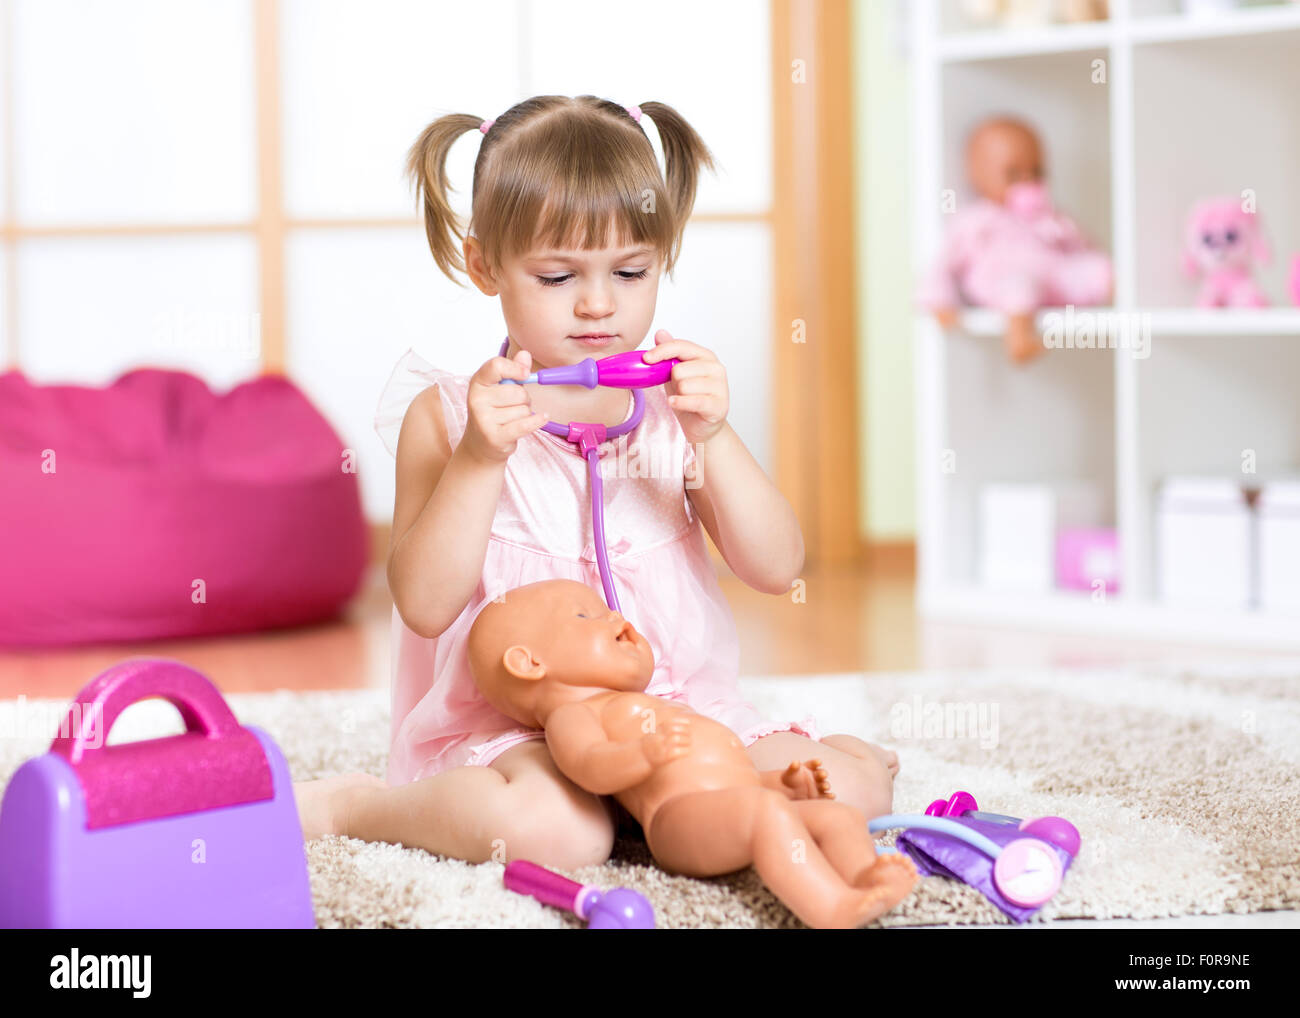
(412, 375)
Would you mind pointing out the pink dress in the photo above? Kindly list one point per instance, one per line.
(666, 583)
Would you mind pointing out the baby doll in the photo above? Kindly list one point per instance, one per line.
(1221, 243)
(1010, 250)
(551, 655)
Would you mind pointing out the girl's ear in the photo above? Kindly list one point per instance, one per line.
(519, 662)
(476, 267)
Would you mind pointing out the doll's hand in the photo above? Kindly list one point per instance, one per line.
(697, 390)
(670, 743)
(807, 780)
(946, 317)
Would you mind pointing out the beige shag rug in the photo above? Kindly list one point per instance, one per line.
(1185, 786)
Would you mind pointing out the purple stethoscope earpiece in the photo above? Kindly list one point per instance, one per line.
(626, 370)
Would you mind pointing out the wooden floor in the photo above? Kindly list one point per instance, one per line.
(858, 618)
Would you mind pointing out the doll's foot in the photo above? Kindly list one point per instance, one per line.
(880, 887)
(807, 780)
(1021, 339)
(319, 801)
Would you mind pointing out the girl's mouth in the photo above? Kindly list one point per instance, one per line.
(596, 338)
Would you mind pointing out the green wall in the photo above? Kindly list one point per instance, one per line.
(884, 260)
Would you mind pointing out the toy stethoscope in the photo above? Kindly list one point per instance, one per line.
(1026, 871)
(620, 371)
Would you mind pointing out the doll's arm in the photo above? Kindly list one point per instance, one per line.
(938, 289)
(587, 756)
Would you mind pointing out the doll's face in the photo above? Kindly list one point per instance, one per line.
(557, 632)
(551, 297)
(1001, 155)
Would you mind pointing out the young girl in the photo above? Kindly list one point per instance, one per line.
(571, 225)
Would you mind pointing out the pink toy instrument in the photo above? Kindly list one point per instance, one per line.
(619, 909)
(198, 830)
(626, 370)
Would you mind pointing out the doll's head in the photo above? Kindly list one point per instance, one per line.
(571, 220)
(1004, 162)
(550, 643)
(1220, 234)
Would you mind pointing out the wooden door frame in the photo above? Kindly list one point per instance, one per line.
(814, 335)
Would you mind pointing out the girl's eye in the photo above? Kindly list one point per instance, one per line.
(625, 274)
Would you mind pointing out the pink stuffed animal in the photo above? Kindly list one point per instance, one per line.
(1223, 242)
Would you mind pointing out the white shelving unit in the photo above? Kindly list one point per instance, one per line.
(1187, 107)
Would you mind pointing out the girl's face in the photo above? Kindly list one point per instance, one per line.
(553, 299)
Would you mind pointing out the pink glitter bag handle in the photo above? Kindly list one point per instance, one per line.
(215, 763)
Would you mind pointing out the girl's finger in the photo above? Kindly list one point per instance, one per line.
(673, 348)
(692, 404)
(517, 429)
(697, 368)
(506, 415)
(700, 385)
(508, 395)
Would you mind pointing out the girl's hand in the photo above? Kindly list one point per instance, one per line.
(499, 415)
(697, 391)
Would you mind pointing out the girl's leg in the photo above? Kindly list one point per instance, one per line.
(860, 781)
(519, 807)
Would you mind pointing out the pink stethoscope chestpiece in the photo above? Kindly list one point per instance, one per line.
(954, 806)
(1027, 872)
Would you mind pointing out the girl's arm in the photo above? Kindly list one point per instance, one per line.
(441, 520)
(748, 518)
(446, 500)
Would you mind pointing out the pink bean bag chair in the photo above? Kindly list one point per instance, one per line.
(156, 508)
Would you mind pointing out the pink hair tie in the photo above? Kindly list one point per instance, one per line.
(634, 112)
(487, 125)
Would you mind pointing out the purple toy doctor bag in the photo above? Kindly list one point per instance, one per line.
(197, 830)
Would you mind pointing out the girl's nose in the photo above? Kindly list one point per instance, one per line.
(596, 302)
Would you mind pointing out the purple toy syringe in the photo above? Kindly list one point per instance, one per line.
(619, 909)
(619, 371)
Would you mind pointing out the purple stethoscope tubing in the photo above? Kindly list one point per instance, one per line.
(574, 432)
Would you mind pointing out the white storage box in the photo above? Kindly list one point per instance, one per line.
(1018, 524)
(1205, 543)
(1278, 561)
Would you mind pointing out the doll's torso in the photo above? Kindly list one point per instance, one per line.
(716, 758)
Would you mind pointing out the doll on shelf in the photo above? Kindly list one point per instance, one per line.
(551, 655)
(1010, 249)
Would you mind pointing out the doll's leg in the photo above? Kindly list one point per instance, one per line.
(1084, 278)
(842, 834)
(520, 807)
(709, 833)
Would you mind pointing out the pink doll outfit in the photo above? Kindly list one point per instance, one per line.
(1015, 258)
(542, 530)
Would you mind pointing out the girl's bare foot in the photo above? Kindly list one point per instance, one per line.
(318, 801)
(854, 746)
